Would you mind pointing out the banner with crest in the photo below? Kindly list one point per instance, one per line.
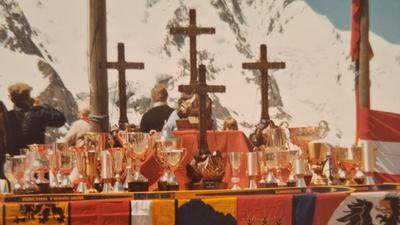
(379, 208)
(36, 213)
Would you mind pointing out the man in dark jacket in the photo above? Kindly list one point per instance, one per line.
(155, 117)
(29, 119)
(3, 136)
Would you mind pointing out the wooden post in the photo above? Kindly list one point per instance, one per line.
(364, 81)
(98, 75)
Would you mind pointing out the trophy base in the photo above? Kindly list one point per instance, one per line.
(291, 184)
(267, 185)
(98, 187)
(359, 180)
(57, 190)
(307, 179)
(165, 186)
(43, 188)
(138, 186)
(207, 185)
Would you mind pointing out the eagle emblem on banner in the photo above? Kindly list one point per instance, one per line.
(377, 209)
(49, 213)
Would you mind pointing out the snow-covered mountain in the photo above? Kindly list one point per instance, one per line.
(24, 58)
(317, 84)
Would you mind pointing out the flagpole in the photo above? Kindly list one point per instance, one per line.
(364, 80)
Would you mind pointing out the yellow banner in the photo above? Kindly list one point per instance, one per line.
(37, 213)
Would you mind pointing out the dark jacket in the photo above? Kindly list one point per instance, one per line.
(3, 136)
(155, 118)
(28, 125)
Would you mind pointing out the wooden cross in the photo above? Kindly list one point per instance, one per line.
(121, 65)
(263, 65)
(192, 31)
(201, 89)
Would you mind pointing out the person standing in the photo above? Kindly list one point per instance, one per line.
(3, 136)
(156, 116)
(79, 127)
(29, 118)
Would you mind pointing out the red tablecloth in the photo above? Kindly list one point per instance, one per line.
(224, 141)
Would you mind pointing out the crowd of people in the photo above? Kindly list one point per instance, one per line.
(26, 123)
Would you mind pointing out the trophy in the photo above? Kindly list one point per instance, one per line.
(96, 141)
(128, 177)
(301, 136)
(137, 145)
(346, 163)
(252, 169)
(285, 162)
(369, 152)
(164, 144)
(300, 171)
(274, 136)
(91, 157)
(29, 185)
(118, 156)
(14, 170)
(235, 161)
(317, 156)
(54, 168)
(106, 172)
(262, 165)
(271, 161)
(174, 159)
(41, 166)
(80, 159)
(66, 164)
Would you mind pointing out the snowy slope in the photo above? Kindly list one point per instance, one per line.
(317, 84)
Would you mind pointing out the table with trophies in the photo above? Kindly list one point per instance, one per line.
(135, 166)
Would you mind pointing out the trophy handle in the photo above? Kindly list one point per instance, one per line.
(284, 125)
(323, 128)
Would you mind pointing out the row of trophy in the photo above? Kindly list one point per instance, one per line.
(298, 157)
(112, 163)
(96, 166)
(320, 165)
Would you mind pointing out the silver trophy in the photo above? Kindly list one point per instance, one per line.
(369, 152)
(106, 172)
(300, 171)
(235, 159)
(252, 169)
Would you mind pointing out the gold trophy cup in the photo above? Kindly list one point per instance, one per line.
(118, 156)
(317, 156)
(138, 148)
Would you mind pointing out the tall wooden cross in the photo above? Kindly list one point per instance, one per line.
(192, 31)
(201, 89)
(121, 65)
(263, 65)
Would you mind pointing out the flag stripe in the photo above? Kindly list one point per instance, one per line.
(379, 126)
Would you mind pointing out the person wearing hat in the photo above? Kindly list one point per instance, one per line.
(80, 126)
(154, 118)
(29, 118)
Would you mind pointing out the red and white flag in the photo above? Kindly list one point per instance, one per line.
(375, 128)
(382, 130)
